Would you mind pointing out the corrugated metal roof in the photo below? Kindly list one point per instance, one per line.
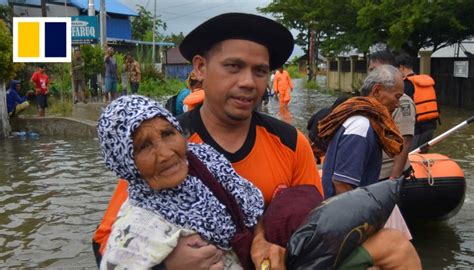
(111, 6)
(157, 43)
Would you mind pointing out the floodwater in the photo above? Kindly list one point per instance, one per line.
(53, 192)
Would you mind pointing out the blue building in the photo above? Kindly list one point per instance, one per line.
(119, 18)
(119, 25)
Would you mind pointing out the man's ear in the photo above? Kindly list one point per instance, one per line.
(376, 90)
(199, 65)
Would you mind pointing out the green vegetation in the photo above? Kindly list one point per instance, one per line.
(294, 72)
(7, 68)
(402, 25)
(142, 25)
(58, 106)
(312, 85)
(156, 88)
(93, 57)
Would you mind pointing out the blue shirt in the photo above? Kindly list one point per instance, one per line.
(354, 155)
(111, 68)
(179, 100)
(13, 98)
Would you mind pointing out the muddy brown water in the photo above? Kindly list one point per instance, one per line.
(53, 192)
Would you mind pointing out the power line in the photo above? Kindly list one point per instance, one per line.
(194, 12)
(179, 5)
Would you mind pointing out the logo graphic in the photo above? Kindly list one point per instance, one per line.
(41, 39)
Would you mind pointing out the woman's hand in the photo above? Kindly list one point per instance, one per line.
(192, 252)
(262, 249)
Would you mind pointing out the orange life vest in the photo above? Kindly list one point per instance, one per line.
(424, 97)
(194, 99)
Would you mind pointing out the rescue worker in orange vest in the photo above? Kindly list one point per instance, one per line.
(283, 86)
(421, 89)
(194, 99)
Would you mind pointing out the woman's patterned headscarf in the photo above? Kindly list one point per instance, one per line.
(189, 205)
(116, 126)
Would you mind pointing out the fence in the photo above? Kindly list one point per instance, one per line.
(346, 74)
(450, 90)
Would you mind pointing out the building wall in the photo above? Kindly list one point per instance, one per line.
(118, 28)
(179, 71)
(52, 11)
(450, 90)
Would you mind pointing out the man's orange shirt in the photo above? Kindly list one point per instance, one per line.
(274, 155)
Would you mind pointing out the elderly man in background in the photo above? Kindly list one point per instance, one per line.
(404, 117)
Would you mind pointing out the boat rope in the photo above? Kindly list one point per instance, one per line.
(427, 163)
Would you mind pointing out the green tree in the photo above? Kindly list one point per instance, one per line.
(7, 68)
(175, 38)
(6, 13)
(93, 57)
(402, 24)
(142, 25)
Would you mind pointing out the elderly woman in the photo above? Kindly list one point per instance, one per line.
(175, 188)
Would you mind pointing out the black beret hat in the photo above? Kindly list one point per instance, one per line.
(269, 33)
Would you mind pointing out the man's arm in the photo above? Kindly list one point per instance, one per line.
(193, 252)
(341, 187)
(400, 160)
(262, 249)
(139, 72)
(404, 118)
(305, 170)
(275, 83)
(33, 79)
(390, 249)
(289, 81)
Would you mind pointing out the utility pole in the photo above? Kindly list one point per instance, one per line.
(91, 8)
(43, 8)
(103, 22)
(310, 55)
(154, 35)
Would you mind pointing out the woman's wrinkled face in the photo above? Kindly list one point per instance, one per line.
(160, 153)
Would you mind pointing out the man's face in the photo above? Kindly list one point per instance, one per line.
(373, 64)
(18, 86)
(390, 97)
(78, 54)
(234, 75)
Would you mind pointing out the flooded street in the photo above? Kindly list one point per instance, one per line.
(53, 192)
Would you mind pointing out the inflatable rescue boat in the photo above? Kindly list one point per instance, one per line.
(436, 191)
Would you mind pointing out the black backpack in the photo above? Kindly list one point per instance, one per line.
(170, 104)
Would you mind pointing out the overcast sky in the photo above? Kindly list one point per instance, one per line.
(185, 15)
